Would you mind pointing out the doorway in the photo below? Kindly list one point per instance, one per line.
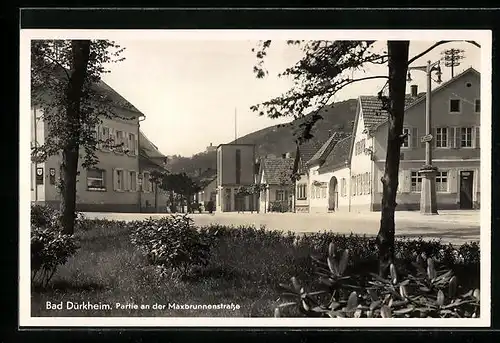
(466, 182)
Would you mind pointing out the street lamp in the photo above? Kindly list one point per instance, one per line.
(139, 182)
(428, 201)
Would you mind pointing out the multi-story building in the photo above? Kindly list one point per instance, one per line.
(275, 174)
(356, 174)
(235, 168)
(113, 184)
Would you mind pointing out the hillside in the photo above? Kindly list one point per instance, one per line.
(276, 139)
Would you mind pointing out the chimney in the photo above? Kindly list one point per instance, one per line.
(414, 91)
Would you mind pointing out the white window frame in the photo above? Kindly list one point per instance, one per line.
(439, 181)
(146, 180)
(459, 106)
(406, 130)
(102, 179)
(466, 134)
(440, 135)
(105, 136)
(280, 195)
(131, 143)
(414, 174)
(342, 187)
(119, 141)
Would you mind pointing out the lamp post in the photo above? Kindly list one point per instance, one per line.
(139, 182)
(428, 201)
(139, 194)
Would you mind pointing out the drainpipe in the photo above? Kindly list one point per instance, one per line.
(350, 188)
(139, 194)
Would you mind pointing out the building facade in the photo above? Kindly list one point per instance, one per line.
(112, 185)
(275, 175)
(235, 169)
(455, 107)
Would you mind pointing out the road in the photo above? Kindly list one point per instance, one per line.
(453, 227)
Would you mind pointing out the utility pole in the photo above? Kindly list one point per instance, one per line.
(428, 199)
(235, 126)
(451, 58)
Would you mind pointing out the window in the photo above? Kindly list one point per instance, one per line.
(105, 137)
(442, 182)
(280, 195)
(406, 142)
(477, 105)
(359, 185)
(132, 181)
(353, 185)
(131, 143)
(367, 183)
(442, 137)
(343, 187)
(119, 141)
(301, 192)
(96, 180)
(119, 180)
(455, 106)
(360, 147)
(416, 181)
(238, 166)
(323, 192)
(466, 137)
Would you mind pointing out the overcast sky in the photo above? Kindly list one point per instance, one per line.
(189, 90)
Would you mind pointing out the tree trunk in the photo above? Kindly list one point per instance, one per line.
(398, 67)
(80, 50)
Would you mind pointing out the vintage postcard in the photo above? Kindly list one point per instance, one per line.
(323, 178)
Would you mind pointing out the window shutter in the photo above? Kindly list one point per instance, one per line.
(450, 133)
(458, 137)
(115, 180)
(406, 181)
(453, 180)
(400, 182)
(414, 138)
(434, 137)
(136, 145)
(126, 180)
(276, 192)
(478, 137)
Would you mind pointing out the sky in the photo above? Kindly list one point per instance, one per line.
(190, 90)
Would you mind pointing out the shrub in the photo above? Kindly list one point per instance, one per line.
(172, 242)
(426, 293)
(278, 206)
(210, 206)
(50, 248)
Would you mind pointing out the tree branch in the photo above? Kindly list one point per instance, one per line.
(413, 59)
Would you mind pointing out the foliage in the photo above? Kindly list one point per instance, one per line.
(51, 73)
(278, 206)
(50, 248)
(210, 207)
(427, 293)
(171, 242)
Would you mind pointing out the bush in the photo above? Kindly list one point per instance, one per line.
(50, 248)
(172, 242)
(426, 293)
(278, 206)
(210, 206)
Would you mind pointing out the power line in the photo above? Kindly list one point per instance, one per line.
(451, 58)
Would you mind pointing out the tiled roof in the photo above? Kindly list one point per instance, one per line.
(338, 156)
(307, 151)
(373, 114)
(147, 148)
(277, 170)
(321, 154)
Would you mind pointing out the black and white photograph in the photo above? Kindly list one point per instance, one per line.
(323, 178)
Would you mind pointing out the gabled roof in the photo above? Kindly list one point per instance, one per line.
(320, 155)
(339, 156)
(277, 171)
(149, 153)
(373, 114)
(371, 105)
(307, 150)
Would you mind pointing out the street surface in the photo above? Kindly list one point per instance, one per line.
(456, 227)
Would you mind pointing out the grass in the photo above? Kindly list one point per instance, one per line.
(108, 269)
(244, 270)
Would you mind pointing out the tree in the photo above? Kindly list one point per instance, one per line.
(65, 75)
(325, 69)
(178, 184)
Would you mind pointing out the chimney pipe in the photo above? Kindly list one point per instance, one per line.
(414, 91)
(329, 133)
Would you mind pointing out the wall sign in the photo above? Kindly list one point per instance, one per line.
(52, 176)
(39, 176)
